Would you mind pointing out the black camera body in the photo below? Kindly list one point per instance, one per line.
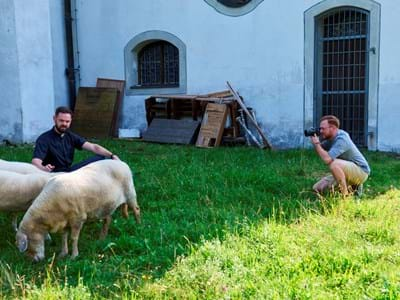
(311, 131)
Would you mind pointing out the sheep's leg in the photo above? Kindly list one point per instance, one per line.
(124, 210)
(14, 222)
(106, 225)
(64, 245)
(75, 230)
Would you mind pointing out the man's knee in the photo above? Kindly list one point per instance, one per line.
(336, 164)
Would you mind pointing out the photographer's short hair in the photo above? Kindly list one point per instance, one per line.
(63, 110)
(332, 120)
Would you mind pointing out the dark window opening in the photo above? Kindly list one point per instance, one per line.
(158, 66)
(234, 3)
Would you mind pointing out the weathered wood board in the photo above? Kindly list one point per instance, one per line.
(212, 126)
(172, 131)
(120, 86)
(94, 111)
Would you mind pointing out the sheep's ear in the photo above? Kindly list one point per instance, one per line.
(22, 242)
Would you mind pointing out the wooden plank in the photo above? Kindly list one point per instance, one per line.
(221, 94)
(248, 114)
(188, 97)
(94, 110)
(212, 126)
(120, 86)
(172, 131)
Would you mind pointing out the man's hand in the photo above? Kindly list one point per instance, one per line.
(115, 157)
(321, 152)
(315, 140)
(37, 162)
(48, 168)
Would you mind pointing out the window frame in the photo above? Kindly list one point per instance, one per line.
(162, 45)
(233, 11)
(131, 52)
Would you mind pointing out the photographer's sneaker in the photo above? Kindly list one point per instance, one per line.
(359, 190)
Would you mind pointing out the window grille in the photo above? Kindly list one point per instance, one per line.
(158, 65)
(342, 69)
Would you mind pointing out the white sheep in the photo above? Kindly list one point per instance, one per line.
(21, 182)
(19, 167)
(17, 191)
(68, 200)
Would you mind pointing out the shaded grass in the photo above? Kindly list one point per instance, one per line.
(188, 197)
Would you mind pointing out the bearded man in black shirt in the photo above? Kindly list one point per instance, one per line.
(54, 149)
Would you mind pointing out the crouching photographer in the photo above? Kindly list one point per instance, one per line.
(348, 167)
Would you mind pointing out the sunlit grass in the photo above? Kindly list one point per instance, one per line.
(226, 222)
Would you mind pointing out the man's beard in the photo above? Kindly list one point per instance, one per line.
(61, 129)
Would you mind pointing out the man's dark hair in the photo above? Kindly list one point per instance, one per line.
(332, 120)
(63, 110)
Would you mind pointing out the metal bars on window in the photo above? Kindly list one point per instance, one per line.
(342, 69)
(158, 65)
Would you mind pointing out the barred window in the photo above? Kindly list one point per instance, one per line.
(158, 65)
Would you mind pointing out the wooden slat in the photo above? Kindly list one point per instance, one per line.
(189, 97)
(212, 126)
(222, 94)
(172, 131)
(120, 86)
(249, 116)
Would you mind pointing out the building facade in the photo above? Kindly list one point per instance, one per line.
(292, 61)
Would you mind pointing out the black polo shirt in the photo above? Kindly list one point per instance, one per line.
(57, 149)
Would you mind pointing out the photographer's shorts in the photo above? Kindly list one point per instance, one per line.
(354, 174)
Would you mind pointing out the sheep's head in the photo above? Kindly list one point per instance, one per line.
(32, 244)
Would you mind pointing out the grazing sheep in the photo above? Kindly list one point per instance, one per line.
(17, 191)
(68, 200)
(21, 182)
(20, 167)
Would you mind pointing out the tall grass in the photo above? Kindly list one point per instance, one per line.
(224, 223)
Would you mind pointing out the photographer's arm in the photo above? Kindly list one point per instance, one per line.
(321, 151)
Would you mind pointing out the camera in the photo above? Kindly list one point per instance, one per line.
(311, 131)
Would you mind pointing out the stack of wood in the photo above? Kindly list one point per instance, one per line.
(176, 119)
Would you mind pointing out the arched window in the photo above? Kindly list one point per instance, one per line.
(234, 8)
(158, 65)
(155, 63)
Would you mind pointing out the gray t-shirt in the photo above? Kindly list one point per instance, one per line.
(342, 147)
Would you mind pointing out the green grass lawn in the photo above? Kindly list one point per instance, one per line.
(224, 223)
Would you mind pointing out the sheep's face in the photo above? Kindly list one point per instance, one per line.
(32, 245)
